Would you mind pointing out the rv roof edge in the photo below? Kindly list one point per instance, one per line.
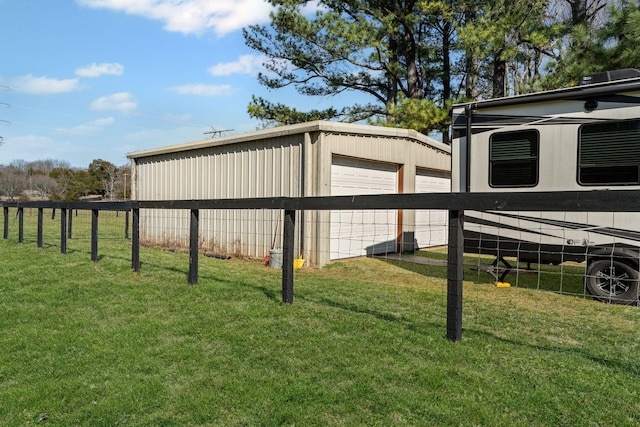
(573, 92)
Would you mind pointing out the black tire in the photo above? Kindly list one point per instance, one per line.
(612, 281)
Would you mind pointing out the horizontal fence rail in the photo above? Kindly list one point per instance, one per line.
(569, 201)
(455, 203)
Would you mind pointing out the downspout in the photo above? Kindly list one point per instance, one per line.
(303, 183)
(468, 112)
(134, 179)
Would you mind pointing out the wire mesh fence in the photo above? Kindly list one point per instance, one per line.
(585, 255)
(112, 224)
(320, 237)
(239, 233)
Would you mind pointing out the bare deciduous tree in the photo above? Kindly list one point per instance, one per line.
(12, 184)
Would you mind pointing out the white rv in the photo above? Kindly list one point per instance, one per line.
(581, 138)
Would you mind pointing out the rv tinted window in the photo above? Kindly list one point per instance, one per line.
(513, 159)
(609, 153)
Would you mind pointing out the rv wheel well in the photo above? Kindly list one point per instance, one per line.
(628, 256)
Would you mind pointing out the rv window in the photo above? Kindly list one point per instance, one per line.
(609, 153)
(513, 159)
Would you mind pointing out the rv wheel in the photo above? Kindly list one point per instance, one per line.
(612, 281)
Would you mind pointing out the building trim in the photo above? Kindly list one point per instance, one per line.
(297, 129)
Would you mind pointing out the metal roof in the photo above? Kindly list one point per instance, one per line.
(315, 126)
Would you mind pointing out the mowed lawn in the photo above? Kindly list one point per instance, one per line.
(94, 344)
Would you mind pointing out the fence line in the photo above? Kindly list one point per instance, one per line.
(455, 203)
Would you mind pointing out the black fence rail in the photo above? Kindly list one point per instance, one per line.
(454, 203)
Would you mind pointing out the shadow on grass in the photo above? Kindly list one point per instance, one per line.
(620, 366)
(386, 317)
(566, 280)
(269, 293)
(436, 271)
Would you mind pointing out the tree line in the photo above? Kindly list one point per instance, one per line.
(56, 180)
(411, 59)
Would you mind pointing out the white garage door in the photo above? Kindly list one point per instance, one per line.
(358, 233)
(431, 225)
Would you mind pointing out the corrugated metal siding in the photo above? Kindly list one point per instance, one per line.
(405, 151)
(389, 150)
(256, 169)
(268, 167)
(252, 169)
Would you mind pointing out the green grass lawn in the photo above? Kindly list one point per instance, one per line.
(87, 343)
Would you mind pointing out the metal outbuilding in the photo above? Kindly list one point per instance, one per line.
(311, 159)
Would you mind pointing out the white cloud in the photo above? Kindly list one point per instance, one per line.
(203, 90)
(42, 85)
(88, 128)
(246, 64)
(122, 101)
(312, 7)
(30, 143)
(34, 147)
(192, 16)
(239, 14)
(97, 70)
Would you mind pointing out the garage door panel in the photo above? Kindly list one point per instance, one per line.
(431, 225)
(362, 232)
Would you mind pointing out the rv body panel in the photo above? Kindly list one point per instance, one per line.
(585, 138)
(549, 237)
(557, 123)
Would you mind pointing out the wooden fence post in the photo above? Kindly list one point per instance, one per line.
(193, 246)
(94, 235)
(70, 223)
(40, 215)
(288, 256)
(126, 225)
(455, 274)
(63, 230)
(20, 224)
(135, 241)
(5, 234)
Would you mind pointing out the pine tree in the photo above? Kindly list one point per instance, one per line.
(384, 49)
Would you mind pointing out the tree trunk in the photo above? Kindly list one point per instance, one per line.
(499, 75)
(411, 57)
(471, 63)
(446, 71)
(578, 11)
(472, 78)
(392, 82)
(413, 88)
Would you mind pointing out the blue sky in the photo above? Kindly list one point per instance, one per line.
(95, 79)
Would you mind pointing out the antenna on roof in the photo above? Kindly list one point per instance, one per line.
(217, 132)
